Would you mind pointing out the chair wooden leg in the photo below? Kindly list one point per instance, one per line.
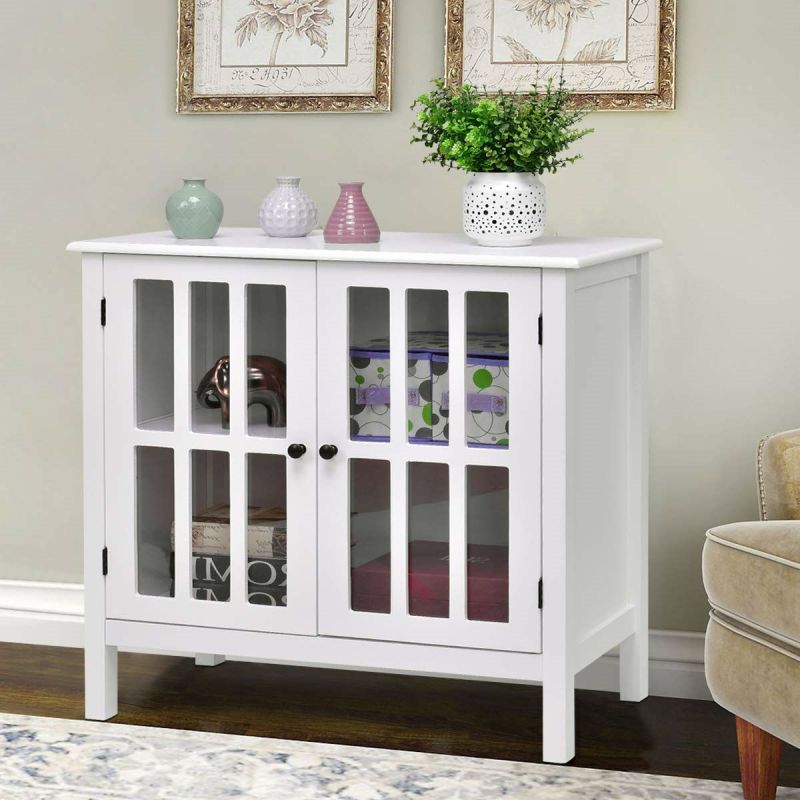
(759, 761)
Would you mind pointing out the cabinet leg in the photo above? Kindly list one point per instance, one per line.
(100, 681)
(759, 760)
(558, 723)
(208, 660)
(634, 667)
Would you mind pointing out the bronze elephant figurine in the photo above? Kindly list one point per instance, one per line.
(266, 386)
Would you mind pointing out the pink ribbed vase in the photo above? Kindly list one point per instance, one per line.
(352, 221)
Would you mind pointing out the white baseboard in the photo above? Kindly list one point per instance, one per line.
(41, 613)
(676, 667)
(52, 614)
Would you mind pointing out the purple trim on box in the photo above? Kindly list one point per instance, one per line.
(382, 354)
(419, 355)
(496, 404)
(486, 402)
(475, 360)
(381, 396)
(477, 352)
(373, 395)
(437, 355)
(486, 361)
(483, 446)
(412, 439)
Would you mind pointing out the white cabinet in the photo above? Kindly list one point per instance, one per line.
(420, 457)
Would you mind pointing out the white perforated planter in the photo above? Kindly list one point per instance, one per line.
(504, 209)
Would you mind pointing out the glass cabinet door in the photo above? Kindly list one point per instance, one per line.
(429, 509)
(211, 440)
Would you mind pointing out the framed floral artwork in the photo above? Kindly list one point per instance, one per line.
(614, 54)
(241, 56)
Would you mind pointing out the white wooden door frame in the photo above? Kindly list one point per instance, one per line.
(122, 436)
(522, 457)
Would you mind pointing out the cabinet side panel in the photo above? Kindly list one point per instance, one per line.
(598, 414)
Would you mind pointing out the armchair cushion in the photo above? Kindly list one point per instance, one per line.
(779, 476)
(751, 572)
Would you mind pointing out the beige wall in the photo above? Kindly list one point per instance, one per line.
(90, 146)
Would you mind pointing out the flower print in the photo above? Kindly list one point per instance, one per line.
(286, 18)
(551, 15)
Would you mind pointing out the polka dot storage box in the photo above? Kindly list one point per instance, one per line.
(487, 402)
(370, 388)
(428, 390)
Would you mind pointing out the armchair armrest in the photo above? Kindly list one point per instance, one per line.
(779, 476)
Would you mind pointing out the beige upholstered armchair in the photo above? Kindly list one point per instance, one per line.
(751, 572)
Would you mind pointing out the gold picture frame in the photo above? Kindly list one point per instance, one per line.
(214, 96)
(471, 37)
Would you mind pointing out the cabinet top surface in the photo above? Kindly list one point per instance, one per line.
(394, 248)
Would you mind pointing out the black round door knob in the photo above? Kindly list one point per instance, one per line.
(296, 450)
(328, 451)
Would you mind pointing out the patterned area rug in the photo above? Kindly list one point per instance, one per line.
(50, 759)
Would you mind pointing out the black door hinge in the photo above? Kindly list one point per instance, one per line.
(103, 312)
(105, 561)
(541, 593)
(540, 328)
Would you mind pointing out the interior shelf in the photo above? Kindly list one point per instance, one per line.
(206, 421)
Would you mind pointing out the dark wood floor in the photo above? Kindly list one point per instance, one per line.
(670, 737)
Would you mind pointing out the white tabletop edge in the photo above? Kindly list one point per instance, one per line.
(394, 248)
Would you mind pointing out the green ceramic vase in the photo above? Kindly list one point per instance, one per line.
(194, 212)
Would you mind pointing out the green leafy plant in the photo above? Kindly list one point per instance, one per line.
(471, 130)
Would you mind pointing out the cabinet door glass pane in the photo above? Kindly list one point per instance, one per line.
(487, 370)
(368, 364)
(428, 540)
(210, 358)
(154, 355)
(370, 542)
(266, 361)
(211, 530)
(426, 381)
(155, 515)
(487, 544)
(266, 530)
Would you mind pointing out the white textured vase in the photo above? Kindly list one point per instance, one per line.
(504, 209)
(287, 211)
